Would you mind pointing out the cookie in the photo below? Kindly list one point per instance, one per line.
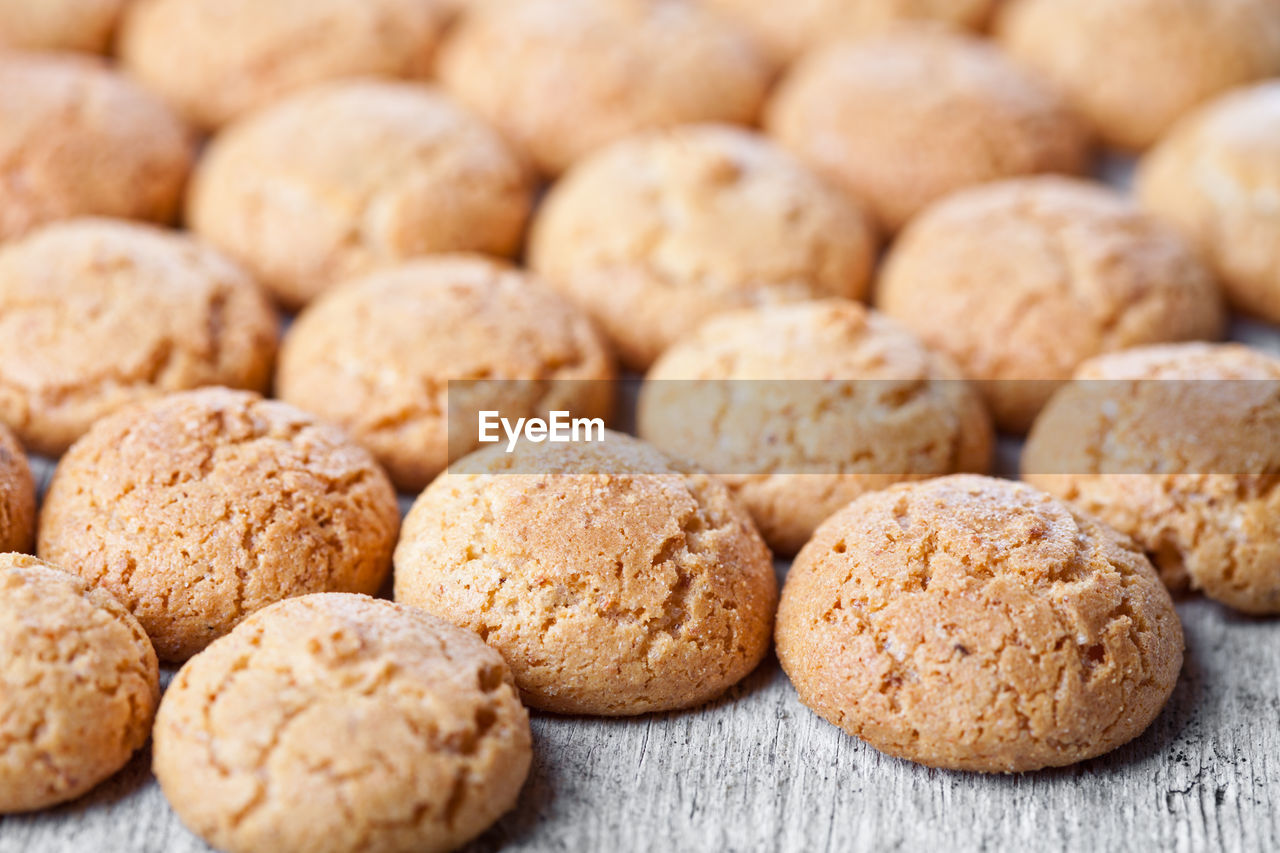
(375, 356)
(334, 723)
(1176, 447)
(96, 314)
(390, 171)
(1050, 271)
(902, 119)
(1133, 67)
(1214, 177)
(656, 233)
(609, 577)
(578, 74)
(78, 689)
(803, 408)
(77, 139)
(17, 496)
(788, 30)
(976, 624)
(87, 25)
(201, 507)
(215, 60)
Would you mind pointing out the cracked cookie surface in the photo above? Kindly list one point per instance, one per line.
(336, 722)
(802, 408)
(579, 74)
(17, 496)
(656, 233)
(78, 689)
(376, 356)
(612, 581)
(198, 508)
(97, 314)
(1176, 447)
(78, 139)
(977, 624)
(964, 113)
(393, 171)
(1051, 271)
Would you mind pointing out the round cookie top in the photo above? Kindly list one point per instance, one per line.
(433, 744)
(1051, 271)
(788, 30)
(1213, 176)
(612, 581)
(17, 496)
(977, 624)
(392, 171)
(59, 24)
(767, 398)
(658, 232)
(1133, 67)
(577, 74)
(963, 112)
(85, 141)
(96, 314)
(376, 356)
(78, 688)
(1175, 446)
(198, 508)
(215, 60)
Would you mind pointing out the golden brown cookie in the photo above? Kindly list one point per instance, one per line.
(77, 139)
(1133, 67)
(902, 119)
(17, 496)
(1216, 177)
(201, 507)
(96, 314)
(612, 581)
(575, 75)
(87, 25)
(803, 408)
(1022, 280)
(215, 60)
(976, 624)
(353, 176)
(375, 356)
(78, 688)
(339, 723)
(789, 29)
(658, 232)
(1176, 447)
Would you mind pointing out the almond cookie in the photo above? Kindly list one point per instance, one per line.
(87, 25)
(789, 29)
(656, 233)
(78, 688)
(340, 723)
(96, 314)
(803, 408)
(388, 171)
(613, 580)
(1050, 271)
(905, 118)
(77, 139)
(198, 508)
(1133, 67)
(1216, 176)
(375, 356)
(1176, 446)
(215, 60)
(17, 496)
(577, 74)
(976, 624)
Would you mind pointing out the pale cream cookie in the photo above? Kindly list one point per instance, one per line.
(88, 25)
